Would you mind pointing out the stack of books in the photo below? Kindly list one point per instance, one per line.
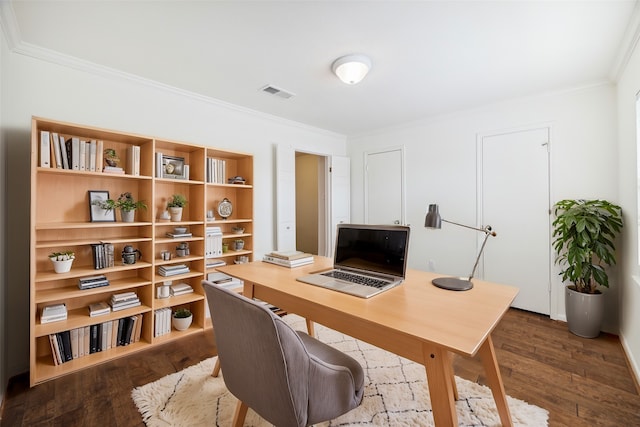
(225, 280)
(53, 313)
(113, 169)
(181, 289)
(289, 258)
(124, 300)
(172, 270)
(93, 282)
(178, 235)
(98, 309)
(213, 263)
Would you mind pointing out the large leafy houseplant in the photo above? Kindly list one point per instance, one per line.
(584, 233)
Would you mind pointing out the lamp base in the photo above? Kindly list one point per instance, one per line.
(452, 283)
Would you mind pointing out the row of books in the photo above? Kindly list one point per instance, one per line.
(93, 282)
(213, 242)
(289, 259)
(216, 170)
(73, 153)
(172, 270)
(162, 321)
(103, 255)
(83, 341)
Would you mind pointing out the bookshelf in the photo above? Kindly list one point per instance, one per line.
(60, 220)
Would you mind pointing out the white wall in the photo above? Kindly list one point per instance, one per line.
(628, 87)
(45, 89)
(441, 168)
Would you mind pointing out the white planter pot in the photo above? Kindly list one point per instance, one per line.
(127, 216)
(176, 214)
(181, 323)
(62, 266)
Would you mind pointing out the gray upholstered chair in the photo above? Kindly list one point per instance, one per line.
(285, 376)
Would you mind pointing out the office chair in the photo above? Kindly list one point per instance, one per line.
(287, 377)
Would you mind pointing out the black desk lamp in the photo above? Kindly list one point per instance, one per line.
(433, 220)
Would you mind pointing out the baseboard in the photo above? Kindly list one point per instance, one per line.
(631, 362)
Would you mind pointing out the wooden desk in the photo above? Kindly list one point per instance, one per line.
(415, 320)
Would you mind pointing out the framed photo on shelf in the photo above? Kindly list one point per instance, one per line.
(98, 214)
(172, 167)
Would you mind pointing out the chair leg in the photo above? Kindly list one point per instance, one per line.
(216, 368)
(311, 330)
(240, 414)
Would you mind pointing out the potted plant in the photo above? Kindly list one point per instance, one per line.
(62, 261)
(111, 158)
(182, 318)
(238, 244)
(128, 205)
(584, 233)
(175, 204)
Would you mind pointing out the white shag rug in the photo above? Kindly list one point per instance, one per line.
(396, 394)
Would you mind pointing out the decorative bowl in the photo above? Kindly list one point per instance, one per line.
(238, 230)
(180, 230)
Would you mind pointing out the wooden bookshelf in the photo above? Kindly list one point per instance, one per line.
(60, 220)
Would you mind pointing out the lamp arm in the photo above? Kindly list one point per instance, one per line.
(484, 242)
(486, 230)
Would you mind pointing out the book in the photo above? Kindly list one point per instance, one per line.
(82, 155)
(63, 153)
(75, 153)
(92, 155)
(45, 149)
(113, 169)
(179, 235)
(124, 306)
(99, 152)
(287, 263)
(124, 296)
(99, 309)
(55, 145)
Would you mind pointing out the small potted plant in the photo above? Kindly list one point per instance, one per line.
(111, 158)
(584, 233)
(182, 318)
(128, 205)
(62, 261)
(238, 244)
(175, 204)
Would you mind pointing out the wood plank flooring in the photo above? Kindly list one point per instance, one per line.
(582, 382)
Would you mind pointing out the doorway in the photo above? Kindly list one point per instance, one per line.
(384, 188)
(514, 198)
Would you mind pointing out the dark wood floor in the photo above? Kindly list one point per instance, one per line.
(582, 382)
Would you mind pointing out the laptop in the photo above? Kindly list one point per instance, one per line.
(368, 260)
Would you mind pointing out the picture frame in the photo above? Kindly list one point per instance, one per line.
(97, 213)
(173, 167)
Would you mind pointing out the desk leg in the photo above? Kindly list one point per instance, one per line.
(492, 370)
(441, 388)
(247, 290)
(311, 330)
(452, 376)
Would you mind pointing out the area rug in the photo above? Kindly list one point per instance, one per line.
(396, 394)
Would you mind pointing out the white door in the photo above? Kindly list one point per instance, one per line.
(384, 187)
(285, 198)
(514, 199)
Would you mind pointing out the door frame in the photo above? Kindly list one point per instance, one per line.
(555, 293)
(403, 184)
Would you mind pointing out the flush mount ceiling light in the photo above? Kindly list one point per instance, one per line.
(351, 69)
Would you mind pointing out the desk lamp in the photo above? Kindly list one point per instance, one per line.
(433, 220)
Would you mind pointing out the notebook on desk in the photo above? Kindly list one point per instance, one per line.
(368, 260)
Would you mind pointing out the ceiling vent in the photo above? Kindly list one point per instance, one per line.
(281, 93)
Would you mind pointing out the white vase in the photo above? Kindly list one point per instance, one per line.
(128, 216)
(176, 213)
(182, 323)
(62, 266)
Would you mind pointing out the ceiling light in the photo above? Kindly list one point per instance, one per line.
(351, 69)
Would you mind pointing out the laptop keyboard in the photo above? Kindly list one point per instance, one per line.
(356, 278)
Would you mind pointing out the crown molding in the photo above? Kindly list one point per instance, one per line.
(10, 27)
(627, 46)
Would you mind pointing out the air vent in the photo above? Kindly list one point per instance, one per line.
(281, 93)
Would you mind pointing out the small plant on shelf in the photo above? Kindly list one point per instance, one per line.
(127, 203)
(110, 157)
(62, 261)
(182, 318)
(177, 201)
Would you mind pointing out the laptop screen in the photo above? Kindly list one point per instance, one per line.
(376, 248)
